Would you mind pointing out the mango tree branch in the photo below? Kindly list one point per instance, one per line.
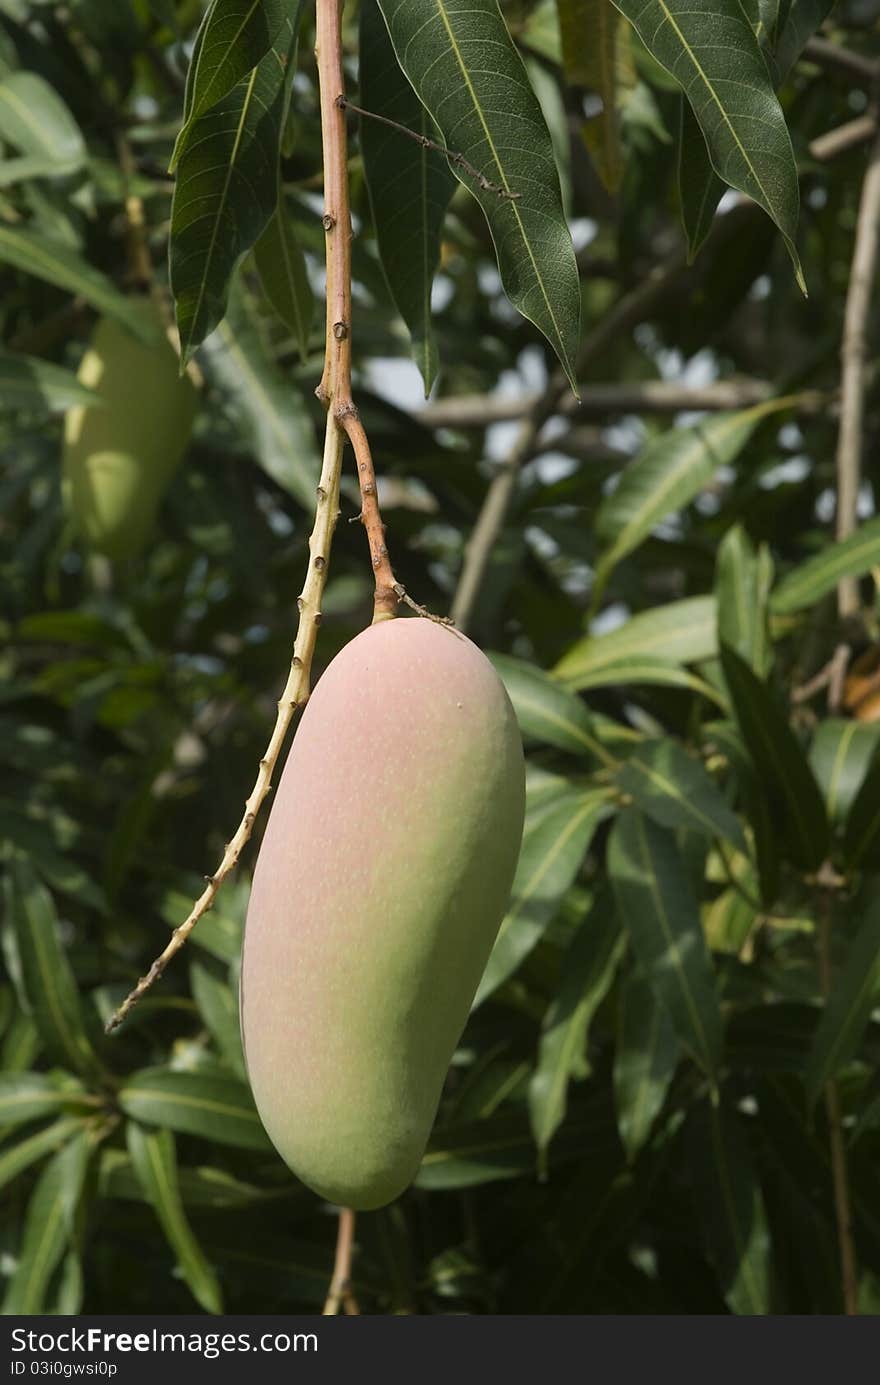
(295, 694)
(853, 355)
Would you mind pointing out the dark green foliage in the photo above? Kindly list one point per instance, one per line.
(634, 1119)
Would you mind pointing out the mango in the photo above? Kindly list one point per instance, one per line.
(381, 882)
(118, 459)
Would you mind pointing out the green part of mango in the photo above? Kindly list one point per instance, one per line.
(381, 882)
(119, 458)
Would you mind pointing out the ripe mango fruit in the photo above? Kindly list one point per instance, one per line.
(118, 459)
(381, 882)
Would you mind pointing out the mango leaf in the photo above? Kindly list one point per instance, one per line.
(199, 1187)
(227, 189)
(218, 1006)
(656, 902)
(733, 1216)
(714, 56)
(671, 787)
(681, 632)
(742, 587)
(666, 476)
(15, 1158)
(547, 712)
(193, 1103)
(154, 1158)
(26, 1096)
(57, 264)
(790, 23)
(47, 976)
(272, 409)
(591, 31)
(699, 187)
(646, 1055)
(862, 831)
(219, 933)
(796, 803)
(782, 29)
(840, 757)
(36, 121)
(471, 80)
(49, 1226)
(815, 578)
(848, 1008)
(466, 1156)
(587, 970)
(410, 186)
(234, 37)
(553, 849)
(29, 383)
(283, 274)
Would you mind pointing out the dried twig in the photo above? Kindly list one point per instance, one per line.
(853, 354)
(629, 310)
(452, 155)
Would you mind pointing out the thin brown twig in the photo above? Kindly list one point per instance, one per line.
(340, 1293)
(843, 138)
(628, 311)
(839, 1175)
(859, 69)
(853, 355)
(334, 390)
(452, 155)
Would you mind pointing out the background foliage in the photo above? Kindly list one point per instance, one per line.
(638, 1117)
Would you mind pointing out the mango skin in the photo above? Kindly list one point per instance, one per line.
(118, 460)
(383, 876)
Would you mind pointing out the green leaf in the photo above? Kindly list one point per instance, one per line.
(26, 1096)
(15, 1158)
(470, 78)
(815, 578)
(553, 848)
(681, 632)
(796, 803)
(671, 787)
(715, 57)
(284, 277)
(47, 976)
(199, 1187)
(591, 37)
(218, 1006)
(848, 1008)
(49, 1226)
(587, 970)
(733, 1217)
(192, 1103)
(235, 36)
(29, 383)
(227, 190)
(862, 831)
(59, 265)
(840, 758)
(467, 1156)
(410, 186)
(273, 412)
(547, 712)
(742, 587)
(793, 23)
(666, 476)
(699, 187)
(646, 1055)
(155, 1161)
(36, 121)
(656, 902)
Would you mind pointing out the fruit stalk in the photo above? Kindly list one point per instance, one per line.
(334, 390)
